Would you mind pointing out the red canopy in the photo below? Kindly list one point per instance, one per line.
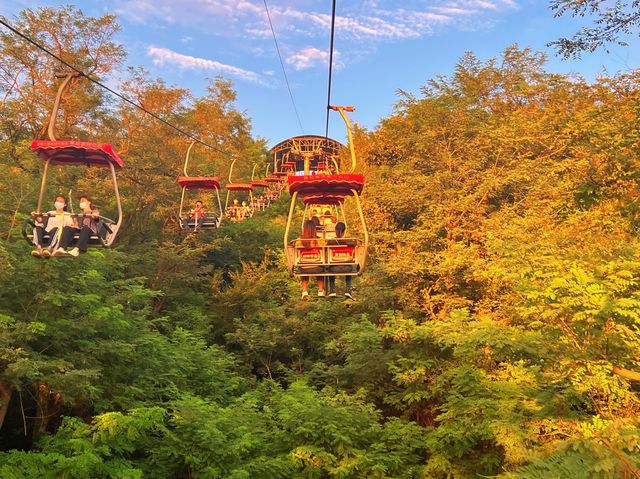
(199, 182)
(260, 184)
(239, 187)
(280, 173)
(326, 185)
(77, 153)
(272, 179)
(288, 164)
(323, 200)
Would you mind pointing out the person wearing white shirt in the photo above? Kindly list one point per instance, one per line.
(59, 224)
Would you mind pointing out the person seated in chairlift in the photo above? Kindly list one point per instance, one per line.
(198, 211)
(246, 211)
(197, 214)
(60, 226)
(329, 218)
(310, 240)
(331, 280)
(232, 211)
(315, 218)
(88, 224)
(329, 223)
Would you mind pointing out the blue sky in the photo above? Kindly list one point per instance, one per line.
(381, 46)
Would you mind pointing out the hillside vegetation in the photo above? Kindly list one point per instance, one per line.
(494, 333)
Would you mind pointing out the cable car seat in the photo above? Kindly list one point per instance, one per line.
(206, 222)
(332, 256)
(309, 255)
(103, 227)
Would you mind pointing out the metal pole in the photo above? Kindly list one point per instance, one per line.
(56, 105)
(335, 164)
(118, 202)
(307, 163)
(304, 217)
(291, 208)
(186, 160)
(364, 228)
(344, 217)
(231, 169)
(341, 110)
(220, 206)
(43, 184)
(184, 188)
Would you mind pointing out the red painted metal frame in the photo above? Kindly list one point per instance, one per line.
(326, 185)
(239, 187)
(323, 200)
(199, 182)
(69, 152)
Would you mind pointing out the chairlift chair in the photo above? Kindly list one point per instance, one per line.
(328, 256)
(257, 204)
(273, 192)
(207, 183)
(241, 192)
(71, 153)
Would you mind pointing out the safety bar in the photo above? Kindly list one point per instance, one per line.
(73, 215)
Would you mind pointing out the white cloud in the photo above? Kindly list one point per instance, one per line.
(359, 24)
(310, 57)
(454, 11)
(385, 24)
(469, 7)
(164, 56)
(143, 11)
(358, 20)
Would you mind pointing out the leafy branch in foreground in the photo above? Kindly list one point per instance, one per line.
(612, 22)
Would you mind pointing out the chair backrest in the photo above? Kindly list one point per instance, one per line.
(342, 254)
(309, 255)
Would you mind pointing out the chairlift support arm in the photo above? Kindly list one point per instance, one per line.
(342, 110)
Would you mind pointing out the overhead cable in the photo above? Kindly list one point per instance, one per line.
(284, 72)
(333, 25)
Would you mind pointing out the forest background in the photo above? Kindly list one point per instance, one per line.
(494, 333)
